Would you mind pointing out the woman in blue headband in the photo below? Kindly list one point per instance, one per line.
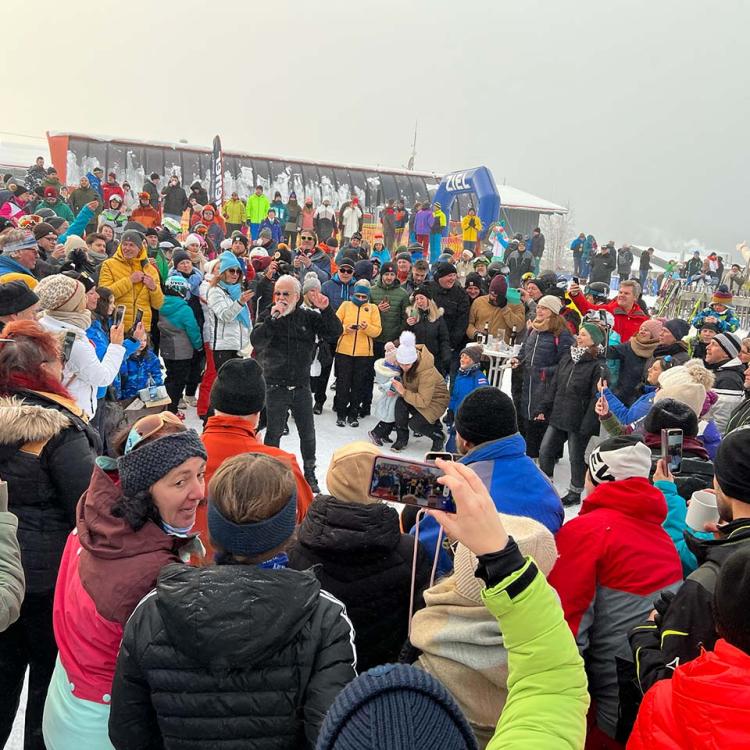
(247, 650)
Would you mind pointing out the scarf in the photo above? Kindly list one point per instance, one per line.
(641, 349)
(472, 368)
(80, 319)
(234, 291)
(541, 325)
(576, 352)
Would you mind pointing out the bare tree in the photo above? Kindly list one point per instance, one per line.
(558, 233)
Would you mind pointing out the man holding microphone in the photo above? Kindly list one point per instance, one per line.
(284, 337)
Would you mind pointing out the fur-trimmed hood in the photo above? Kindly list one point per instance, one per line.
(433, 312)
(23, 422)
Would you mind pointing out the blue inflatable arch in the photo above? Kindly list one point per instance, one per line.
(478, 181)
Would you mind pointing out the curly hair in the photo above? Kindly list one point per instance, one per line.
(137, 510)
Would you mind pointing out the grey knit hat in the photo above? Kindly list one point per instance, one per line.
(147, 464)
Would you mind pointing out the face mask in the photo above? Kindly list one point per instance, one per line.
(174, 530)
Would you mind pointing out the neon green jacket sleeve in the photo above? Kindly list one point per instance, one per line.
(547, 687)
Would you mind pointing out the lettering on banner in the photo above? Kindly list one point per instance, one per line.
(456, 182)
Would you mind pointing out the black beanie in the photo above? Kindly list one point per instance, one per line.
(55, 222)
(486, 414)
(669, 413)
(178, 256)
(424, 290)
(444, 269)
(731, 462)
(239, 388)
(387, 267)
(678, 328)
(731, 613)
(16, 297)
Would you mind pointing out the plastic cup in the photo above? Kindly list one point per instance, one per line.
(702, 510)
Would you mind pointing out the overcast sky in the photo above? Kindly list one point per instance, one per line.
(635, 113)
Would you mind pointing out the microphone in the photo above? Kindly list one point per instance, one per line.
(275, 314)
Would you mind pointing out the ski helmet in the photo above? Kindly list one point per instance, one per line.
(598, 290)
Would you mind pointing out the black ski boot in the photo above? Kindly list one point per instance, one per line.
(311, 479)
(572, 498)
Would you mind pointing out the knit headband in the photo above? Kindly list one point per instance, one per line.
(254, 537)
(25, 244)
(145, 466)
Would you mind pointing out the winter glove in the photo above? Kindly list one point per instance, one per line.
(661, 605)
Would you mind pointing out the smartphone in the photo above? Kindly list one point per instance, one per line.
(398, 480)
(575, 280)
(432, 455)
(671, 448)
(119, 315)
(138, 318)
(67, 347)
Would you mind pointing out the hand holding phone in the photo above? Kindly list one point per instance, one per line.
(399, 480)
(119, 315)
(671, 448)
(475, 523)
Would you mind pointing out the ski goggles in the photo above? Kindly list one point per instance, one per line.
(147, 426)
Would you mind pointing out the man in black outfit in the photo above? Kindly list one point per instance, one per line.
(450, 295)
(285, 339)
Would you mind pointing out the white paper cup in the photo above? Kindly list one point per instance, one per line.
(702, 510)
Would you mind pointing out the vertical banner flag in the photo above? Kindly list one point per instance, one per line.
(216, 193)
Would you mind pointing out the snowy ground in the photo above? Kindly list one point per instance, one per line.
(329, 438)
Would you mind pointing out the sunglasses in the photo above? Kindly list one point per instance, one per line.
(283, 294)
(306, 239)
(233, 271)
(148, 426)
(345, 270)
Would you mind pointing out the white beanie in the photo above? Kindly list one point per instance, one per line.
(193, 239)
(674, 376)
(691, 394)
(693, 371)
(551, 303)
(622, 457)
(226, 244)
(406, 354)
(258, 252)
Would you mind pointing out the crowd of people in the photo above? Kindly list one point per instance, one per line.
(598, 264)
(164, 588)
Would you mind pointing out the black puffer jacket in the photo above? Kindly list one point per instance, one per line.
(455, 303)
(230, 657)
(632, 372)
(286, 346)
(430, 330)
(570, 404)
(602, 266)
(175, 199)
(363, 559)
(539, 356)
(47, 456)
